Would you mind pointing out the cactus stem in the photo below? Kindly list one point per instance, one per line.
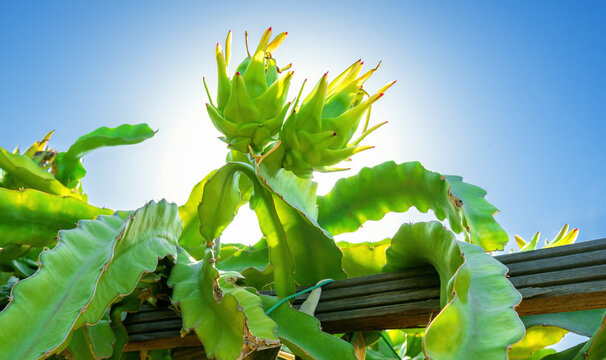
(252, 153)
(259, 159)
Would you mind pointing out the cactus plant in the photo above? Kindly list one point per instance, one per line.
(251, 106)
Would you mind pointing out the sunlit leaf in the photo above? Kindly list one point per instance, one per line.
(390, 187)
(29, 175)
(584, 322)
(33, 325)
(215, 316)
(478, 215)
(477, 299)
(536, 338)
(150, 234)
(250, 261)
(302, 334)
(314, 250)
(593, 349)
(540, 354)
(68, 166)
(262, 202)
(362, 259)
(31, 217)
(190, 237)
(220, 202)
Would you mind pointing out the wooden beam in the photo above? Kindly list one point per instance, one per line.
(164, 343)
(566, 278)
(190, 348)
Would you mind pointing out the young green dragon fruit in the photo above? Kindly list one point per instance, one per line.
(317, 135)
(251, 106)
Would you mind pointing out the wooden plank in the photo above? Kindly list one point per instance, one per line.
(190, 348)
(571, 261)
(155, 332)
(566, 278)
(168, 342)
(580, 247)
(576, 275)
(189, 353)
(430, 280)
(588, 295)
(150, 313)
(394, 316)
(558, 298)
(364, 301)
(171, 324)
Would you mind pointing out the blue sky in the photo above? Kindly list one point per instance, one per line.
(510, 95)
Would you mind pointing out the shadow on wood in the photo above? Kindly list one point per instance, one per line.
(566, 278)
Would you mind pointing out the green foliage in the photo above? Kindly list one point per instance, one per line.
(66, 280)
(564, 237)
(317, 135)
(262, 203)
(93, 342)
(25, 173)
(220, 201)
(251, 106)
(315, 253)
(31, 217)
(32, 325)
(584, 322)
(190, 236)
(302, 334)
(593, 349)
(250, 261)
(535, 339)
(130, 303)
(389, 187)
(362, 259)
(68, 166)
(82, 275)
(548, 329)
(215, 315)
(476, 297)
(150, 234)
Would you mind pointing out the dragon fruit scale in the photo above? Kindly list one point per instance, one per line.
(317, 135)
(251, 106)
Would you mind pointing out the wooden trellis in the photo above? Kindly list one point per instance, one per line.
(560, 279)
